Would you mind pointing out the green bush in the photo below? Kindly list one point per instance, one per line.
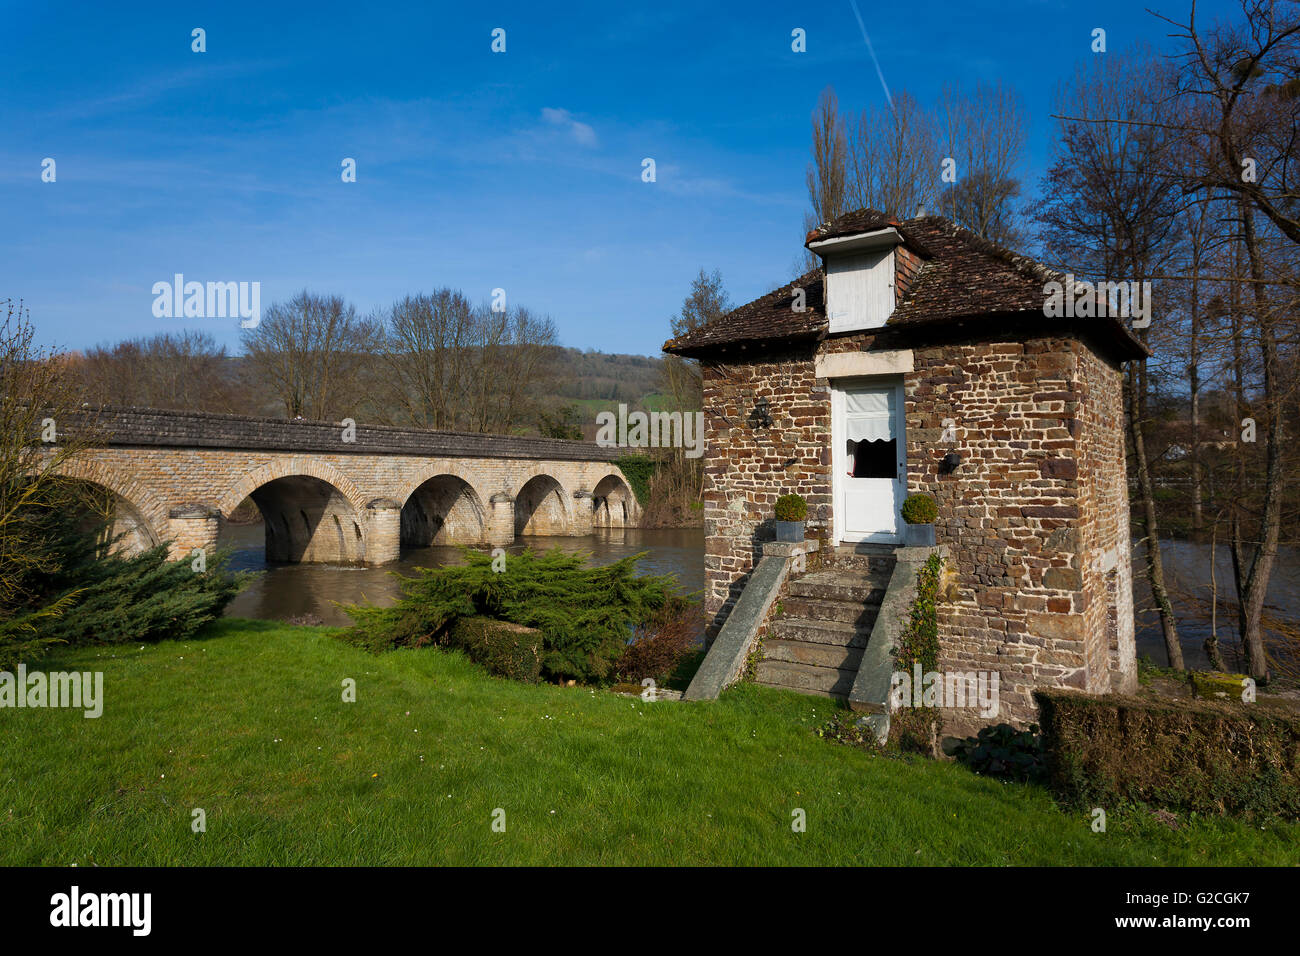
(585, 614)
(88, 595)
(505, 649)
(920, 509)
(791, 508)
(1004, 752)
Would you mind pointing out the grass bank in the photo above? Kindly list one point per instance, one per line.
(248, 724)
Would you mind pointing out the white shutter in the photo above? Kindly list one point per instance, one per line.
(859, 290)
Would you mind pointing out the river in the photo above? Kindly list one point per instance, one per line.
(285, 591)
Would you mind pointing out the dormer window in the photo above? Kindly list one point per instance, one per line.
(859, 278)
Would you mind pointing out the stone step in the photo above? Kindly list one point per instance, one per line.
(815, 609)
(808, 678)
(851, 586)
(832, 633)
(819, 655)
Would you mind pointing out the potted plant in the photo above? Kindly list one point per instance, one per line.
(919, 512)
(791, 510)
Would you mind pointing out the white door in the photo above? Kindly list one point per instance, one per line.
(869, 458)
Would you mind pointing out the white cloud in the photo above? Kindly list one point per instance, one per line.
(581, 132)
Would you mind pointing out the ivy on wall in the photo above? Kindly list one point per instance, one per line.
(920, 641)
(638, 469)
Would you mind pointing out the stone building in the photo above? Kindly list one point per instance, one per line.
(920, 358)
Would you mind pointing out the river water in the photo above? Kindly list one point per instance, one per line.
(283, 591)
(293, 590)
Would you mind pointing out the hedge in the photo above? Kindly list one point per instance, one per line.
(1192, 756)
(505, 649)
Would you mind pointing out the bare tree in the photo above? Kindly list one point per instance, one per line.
(983, 135)
(181, 370)
(38, 402)
(892, 158)
(429, 337)
(826, 176)
(312, 351)
(1105, 216)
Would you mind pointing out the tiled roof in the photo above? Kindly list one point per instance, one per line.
(961, 276)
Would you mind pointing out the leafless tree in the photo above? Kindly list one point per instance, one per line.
(181, 370)
(312, 351)
(984, 135)
(1104, 215)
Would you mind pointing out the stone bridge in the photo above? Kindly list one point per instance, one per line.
(333, 494)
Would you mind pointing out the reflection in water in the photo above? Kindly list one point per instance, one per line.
(289, 590)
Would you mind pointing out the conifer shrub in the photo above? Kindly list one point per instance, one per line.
(84, 593)
(586, 615)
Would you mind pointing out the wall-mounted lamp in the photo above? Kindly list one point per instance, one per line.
(949, 463)
(761, 416)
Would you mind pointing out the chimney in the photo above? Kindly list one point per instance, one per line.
(920, 210)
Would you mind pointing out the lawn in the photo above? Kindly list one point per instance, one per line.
(248, 723)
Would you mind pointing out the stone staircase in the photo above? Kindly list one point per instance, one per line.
(816, 643)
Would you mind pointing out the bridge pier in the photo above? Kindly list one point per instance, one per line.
(384, 531)
(501, 520)
(582, 513)
(193, 526)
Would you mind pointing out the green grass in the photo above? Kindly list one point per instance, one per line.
(248, 724)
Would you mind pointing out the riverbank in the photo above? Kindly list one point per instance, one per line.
(248, 724)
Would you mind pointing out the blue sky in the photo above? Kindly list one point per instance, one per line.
(475, 170)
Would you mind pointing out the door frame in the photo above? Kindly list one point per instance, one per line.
(839, 463)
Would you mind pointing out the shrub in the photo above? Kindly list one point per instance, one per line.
(90, 596)
(791, 508)
(505, 649)
(661, 644)
(586, 614)
(1004, 752)
(1195, 755)
(920, 509)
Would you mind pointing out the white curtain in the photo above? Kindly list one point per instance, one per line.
(869, 415)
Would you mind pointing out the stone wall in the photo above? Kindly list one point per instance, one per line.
(747, 469)
(1035, 517)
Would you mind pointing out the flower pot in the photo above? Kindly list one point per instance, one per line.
(918, 535)
(789, 530)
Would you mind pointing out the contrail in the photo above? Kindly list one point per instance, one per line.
(863, 28)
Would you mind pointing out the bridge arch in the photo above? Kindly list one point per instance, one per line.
(311, 511)
(139, 516)
(612, 503)
(443, 508)
(542, 506)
